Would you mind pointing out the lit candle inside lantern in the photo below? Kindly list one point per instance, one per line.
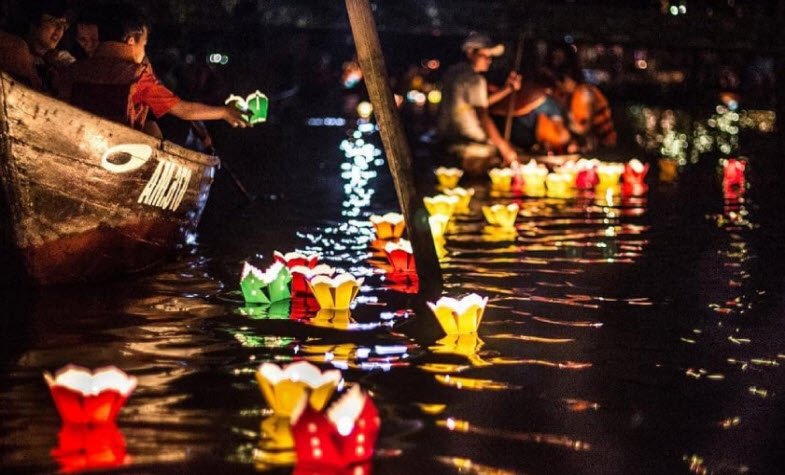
(89, 397)
(464, 198)
(301, 275)
(609, 174)
(283, 387)
(294, 259)
(400, 255)
(501, 215)
(337, 292)
(633, 176)
(459, 316)
(441, 204)
(389, 226)
(342, 435)
(269, 286)
(501, 179)
(448, 177)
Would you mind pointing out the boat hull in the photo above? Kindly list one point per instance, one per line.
(87, 198)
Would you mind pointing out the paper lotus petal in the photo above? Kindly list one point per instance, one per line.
(438, 225)
(501, 215)
(89, 447)
(559, 184)
(441, 204)
(635, 172)
(256, 104)
(501, 179)
(533, 174)
(586, 179)
(301, 275)
(269, 286)
(609, 174)
(343, 435)
(464, 198)
(337, 292)
(400, 255)
(296, 259)
(389, 226)
(89, 397)
(459, 316)
(284, 387)
(733, 173)
(448, 177)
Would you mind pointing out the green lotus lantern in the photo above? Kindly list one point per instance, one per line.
(265, 287)
(256, 105)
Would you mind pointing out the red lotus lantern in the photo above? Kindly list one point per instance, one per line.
(633, 176)
(340, 436)
(400, 255)
(586, 179)
(86, 447)
(89, 397)
(302, 274)
(293, 259)
(733, 173)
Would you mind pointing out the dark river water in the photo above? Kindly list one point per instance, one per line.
(622, 335)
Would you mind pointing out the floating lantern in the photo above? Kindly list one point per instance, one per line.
(459, 316)
(256, 104)
(533, 174)
(438, 223)
(400, 255)
(733, 173)
(464, 198)
(501, 179)
(365, 109)
(89, 397)
(389, 226)
(283, 388)
(586, 177)
(633, 176)
(669, 168)
(294, 259)
(501, 215)
(342, 435)
(559, 184)
(301, 275)
(448, 177)
(90, 447)
(609, 174)
(337, 292)
(269, 286)
(441, 204)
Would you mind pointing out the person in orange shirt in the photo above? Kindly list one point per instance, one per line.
(589, 113)
(119, 84)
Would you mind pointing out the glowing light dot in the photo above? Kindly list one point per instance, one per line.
(312, 428)
(314, 441)
(364, 109)
(435, 96)
(317, 453)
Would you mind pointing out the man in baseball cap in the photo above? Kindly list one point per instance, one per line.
(464, 125)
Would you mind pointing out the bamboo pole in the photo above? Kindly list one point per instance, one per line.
(399, 159)
(514, 94)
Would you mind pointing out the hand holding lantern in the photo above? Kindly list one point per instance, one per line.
(256, 105)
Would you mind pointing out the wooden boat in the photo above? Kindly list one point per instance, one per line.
(85, 197)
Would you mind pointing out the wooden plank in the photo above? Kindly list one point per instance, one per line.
(399, 159)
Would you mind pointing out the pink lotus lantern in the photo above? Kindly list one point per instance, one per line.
(340, 436)
(733, 173)
(88, 447)
(633, 176)
(295, 259)
(586, 178)
(400, 255)
(89, 397)
(301, 275)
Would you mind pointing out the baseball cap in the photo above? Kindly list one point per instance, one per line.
(480, 41)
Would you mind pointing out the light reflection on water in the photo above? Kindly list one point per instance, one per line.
(611, 341)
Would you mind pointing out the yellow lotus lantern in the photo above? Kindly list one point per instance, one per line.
(276, 445)
(609, 174)
(441, 204)
(335, 292)
(283, 388)
(559, 184)
(533, 174)
(459, 316)
(501, 179)
(501, 215)
(438, 225)
(448, 177)
(332, 318)
(464, 198)
(388, 226)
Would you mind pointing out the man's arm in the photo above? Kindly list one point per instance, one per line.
(197, 111)
(512, 84)
(505, 149)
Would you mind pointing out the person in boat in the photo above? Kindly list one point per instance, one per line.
(86, 35)
(33, 57)
(464, 125)
(118, 83)
(589, 114)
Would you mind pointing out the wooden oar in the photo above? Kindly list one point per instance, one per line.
(513, 99)
(203, 134)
